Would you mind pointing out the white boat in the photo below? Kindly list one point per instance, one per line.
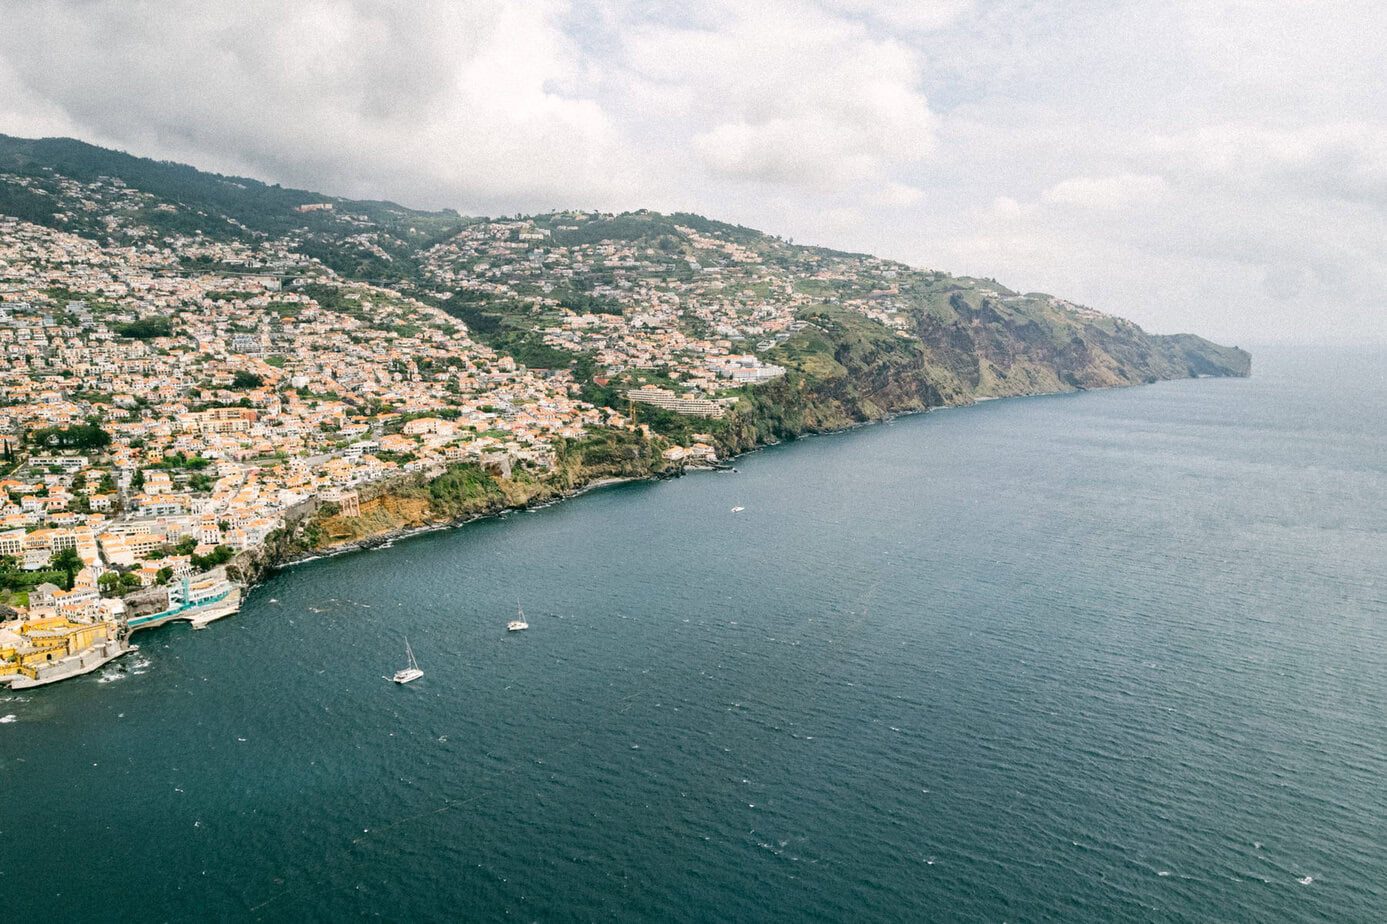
(518, 624)
(738, 509)
(405, 675)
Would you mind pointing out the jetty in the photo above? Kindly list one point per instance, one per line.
(198, 600)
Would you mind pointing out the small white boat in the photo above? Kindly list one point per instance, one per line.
(406, 674)
(518, 624)
(738, 509)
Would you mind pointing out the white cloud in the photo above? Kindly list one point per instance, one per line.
(782, 95)
(24, 113)
(1106, 192)
(1341, 160)
(897, 195)
(366, 97)
(1006, 208)
(908, 15)
(1208, 165)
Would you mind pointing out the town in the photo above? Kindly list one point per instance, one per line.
(175, 400)
(157, 424)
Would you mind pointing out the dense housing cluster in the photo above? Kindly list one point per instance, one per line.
(193, 363)
(157, 419)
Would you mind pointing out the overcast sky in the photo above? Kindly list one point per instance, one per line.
(1217, 166)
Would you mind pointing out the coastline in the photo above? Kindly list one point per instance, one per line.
(389, 537)
(254, 567)
(75, 665)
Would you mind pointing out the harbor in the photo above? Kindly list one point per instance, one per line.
(68, 634)
(198, 601)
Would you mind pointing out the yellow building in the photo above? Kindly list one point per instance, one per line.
(25, 645)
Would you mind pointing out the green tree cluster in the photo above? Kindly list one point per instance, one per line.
(69, 563)
(76, 436)
(146, 328)
(243, 380)
(218, 556)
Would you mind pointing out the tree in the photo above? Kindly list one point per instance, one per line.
(163, 576)
(108, 582)
(77, 436)
(146, 328)
(68, 562)
(243, 380)
(137, 482)
(219, 556)
(9, 570)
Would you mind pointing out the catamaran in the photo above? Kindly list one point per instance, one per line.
(518, 623)
(405, 675)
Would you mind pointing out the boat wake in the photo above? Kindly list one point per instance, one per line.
(8, 719)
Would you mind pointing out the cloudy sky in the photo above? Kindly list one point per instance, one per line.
(1209, 165)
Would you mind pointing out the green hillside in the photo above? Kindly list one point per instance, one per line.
(624, 300)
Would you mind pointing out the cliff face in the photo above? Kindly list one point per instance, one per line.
(846, 370)
(464, 492)
(996, 349)
(843, 370)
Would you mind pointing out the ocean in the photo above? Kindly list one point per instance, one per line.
(1114, 656)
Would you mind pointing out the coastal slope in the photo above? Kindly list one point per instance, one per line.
(692, 338)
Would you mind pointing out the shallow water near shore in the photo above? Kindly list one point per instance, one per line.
(1111, 656)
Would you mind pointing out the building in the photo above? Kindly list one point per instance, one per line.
(348, 502)
(664, 398)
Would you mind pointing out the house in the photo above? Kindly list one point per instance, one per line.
(12, 542)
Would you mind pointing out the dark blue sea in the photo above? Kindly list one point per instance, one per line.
(1115, 656)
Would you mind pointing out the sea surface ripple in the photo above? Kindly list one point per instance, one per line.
(1119, 656)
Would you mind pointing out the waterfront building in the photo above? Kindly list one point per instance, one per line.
(43, 649)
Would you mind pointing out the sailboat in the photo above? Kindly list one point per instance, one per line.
(405, 675)
(517, 624)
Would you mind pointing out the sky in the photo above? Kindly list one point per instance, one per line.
(1213, 166)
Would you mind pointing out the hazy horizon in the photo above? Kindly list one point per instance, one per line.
(1215, 168)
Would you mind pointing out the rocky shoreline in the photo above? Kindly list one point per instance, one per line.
(389, 537)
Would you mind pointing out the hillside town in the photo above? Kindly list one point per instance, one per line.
(155, 422)
(182, 387)
(692, 308)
